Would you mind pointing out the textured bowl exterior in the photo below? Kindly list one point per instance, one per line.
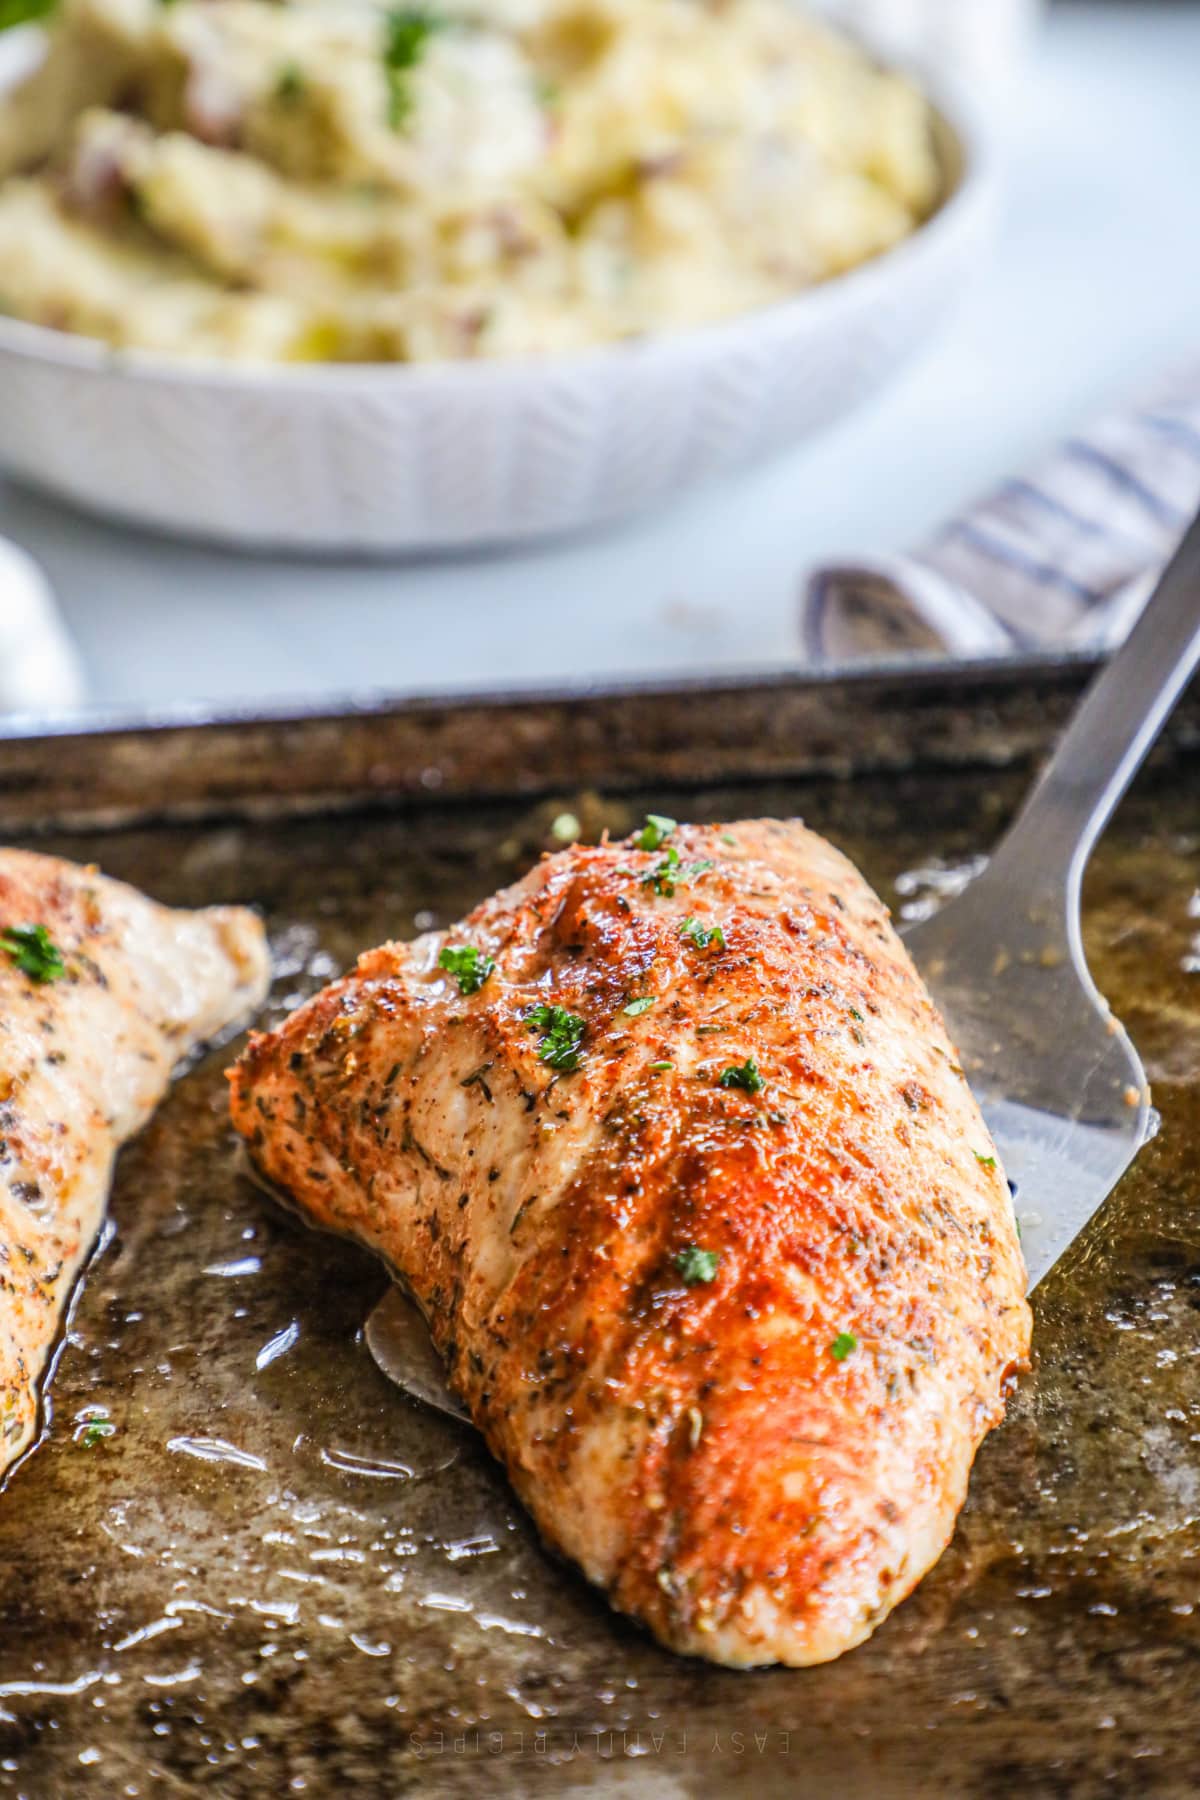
(985, 42)
(410, 458)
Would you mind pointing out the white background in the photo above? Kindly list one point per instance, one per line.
(1095, 283)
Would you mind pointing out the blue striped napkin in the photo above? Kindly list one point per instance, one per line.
(1063, 559)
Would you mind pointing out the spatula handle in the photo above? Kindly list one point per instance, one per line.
(1113, 730)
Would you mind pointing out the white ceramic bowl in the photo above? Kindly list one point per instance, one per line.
(984, 42)
(385, 459)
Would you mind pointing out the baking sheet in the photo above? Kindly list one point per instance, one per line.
(279, 1576)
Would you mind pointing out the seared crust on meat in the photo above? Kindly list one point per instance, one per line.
(85, 1056)
(736, 1344)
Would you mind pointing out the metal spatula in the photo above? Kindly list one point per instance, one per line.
(1061, 1086)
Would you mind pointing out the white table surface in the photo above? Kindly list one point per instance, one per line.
(1094, 285)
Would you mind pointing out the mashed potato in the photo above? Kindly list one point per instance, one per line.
(335, 180)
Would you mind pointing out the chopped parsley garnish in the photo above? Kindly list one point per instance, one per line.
(670, 873)
(408, 30)
(469, 966)
(843, 1345)
(744, 1075)
(664, 875)
(654, 832)
(289, 84)
(702, 935)
(696, 1265)
(34, 952)
(562, 1035)
(23, 12)
(660, 1068)
(855, 1014)
(94, 1432)
(985, 1162)
(636, 1008)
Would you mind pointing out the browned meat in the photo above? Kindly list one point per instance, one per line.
(101, 993)
(701, 1211)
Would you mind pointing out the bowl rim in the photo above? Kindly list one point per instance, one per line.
(958, 118)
